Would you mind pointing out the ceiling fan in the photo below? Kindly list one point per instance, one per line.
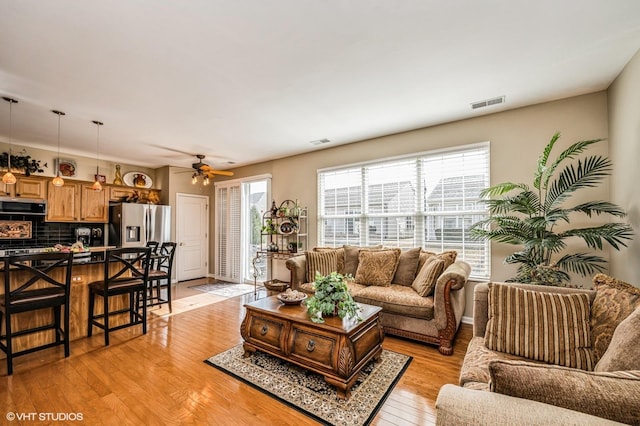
(205, 171)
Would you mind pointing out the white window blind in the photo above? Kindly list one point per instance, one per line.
(428, 200)
(228, 229)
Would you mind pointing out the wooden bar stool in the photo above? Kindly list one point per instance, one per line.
(33, 282)
(160, 275)
(126, 271)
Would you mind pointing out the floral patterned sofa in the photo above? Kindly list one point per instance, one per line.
(549, 355)
(422, 294)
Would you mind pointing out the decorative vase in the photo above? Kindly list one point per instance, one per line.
(118, 178)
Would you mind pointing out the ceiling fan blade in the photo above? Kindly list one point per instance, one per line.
(219, 172)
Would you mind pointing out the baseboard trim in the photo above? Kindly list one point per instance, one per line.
(467, 320)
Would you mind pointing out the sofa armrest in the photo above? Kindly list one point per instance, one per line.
(459, 406)
(449, 302)
(481, 301)
(297, 266)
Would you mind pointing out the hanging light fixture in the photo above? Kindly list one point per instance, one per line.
(58, 181)
(97, 186)
(205, 180)
(194, 178)
(8, 178)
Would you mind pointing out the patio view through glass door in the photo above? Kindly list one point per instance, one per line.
(239, 206)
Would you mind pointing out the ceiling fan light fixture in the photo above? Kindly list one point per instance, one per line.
(205, 181)
(58, 181)
(194, 178)
(9, 178)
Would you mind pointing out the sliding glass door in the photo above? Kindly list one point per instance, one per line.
(239, 206)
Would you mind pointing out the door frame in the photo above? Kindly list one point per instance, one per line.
(179, 213)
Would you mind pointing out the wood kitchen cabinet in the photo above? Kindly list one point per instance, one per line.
(25, 187)
(77, 202)
(63, 203)
(94, 205)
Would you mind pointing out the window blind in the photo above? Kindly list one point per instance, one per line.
(428, 200)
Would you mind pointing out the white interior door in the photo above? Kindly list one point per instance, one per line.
(192, 235)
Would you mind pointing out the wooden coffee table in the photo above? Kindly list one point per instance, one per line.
(336, 349)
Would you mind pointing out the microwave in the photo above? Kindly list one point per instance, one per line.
(22, 206)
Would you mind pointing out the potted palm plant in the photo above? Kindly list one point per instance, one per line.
(331, 298)
(536, 219)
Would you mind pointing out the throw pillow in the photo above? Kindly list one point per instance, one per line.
(351, 257)
(377, 267)
(614, 301)
(612, 396)
(623, 352)
(448, 256)
(322, 262)
(339, 254)
(549, 327)
(426, 280)
(407, 267)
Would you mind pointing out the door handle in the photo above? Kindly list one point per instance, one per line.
(181, 244)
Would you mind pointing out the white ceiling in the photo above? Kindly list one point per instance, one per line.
(252, 80)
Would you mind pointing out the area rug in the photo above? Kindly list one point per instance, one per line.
(225, 289)
(308, 392)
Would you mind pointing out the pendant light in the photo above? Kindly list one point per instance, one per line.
(58, 181)
(97, 186)
(8, 178)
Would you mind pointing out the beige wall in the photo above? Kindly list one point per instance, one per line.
(624, 133)
(517, 138)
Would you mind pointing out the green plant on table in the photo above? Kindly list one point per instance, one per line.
(536, 219)
(332, 297)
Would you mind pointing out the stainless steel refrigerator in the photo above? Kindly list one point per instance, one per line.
(132, 225)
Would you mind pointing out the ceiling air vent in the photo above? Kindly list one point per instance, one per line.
(320, 141)
(487, 102)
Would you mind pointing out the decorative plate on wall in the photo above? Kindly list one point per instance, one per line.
(68, 168)
(137, 179)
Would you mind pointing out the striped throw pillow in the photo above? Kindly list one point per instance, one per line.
(324, 262)
(548, 327)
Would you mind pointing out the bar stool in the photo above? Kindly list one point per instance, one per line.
(34, 282)
(160, 274)
(126, 271)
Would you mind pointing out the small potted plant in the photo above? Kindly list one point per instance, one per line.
(331, 298)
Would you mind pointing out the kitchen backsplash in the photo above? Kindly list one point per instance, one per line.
(43, 234)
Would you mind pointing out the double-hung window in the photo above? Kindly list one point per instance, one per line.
(426, 200)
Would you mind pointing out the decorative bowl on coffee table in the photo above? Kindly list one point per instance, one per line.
(296, 301)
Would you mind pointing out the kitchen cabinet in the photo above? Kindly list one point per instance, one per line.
(63, 203)
(77, 202)
(25, 187)
(94, 205)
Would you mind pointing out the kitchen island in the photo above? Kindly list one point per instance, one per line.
(85, 270)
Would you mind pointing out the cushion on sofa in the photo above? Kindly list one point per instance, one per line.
(623, 352)
(377, 267)
(613, 396)
(541, 326)
(614, 301)
(396, 299)
(351, 257)
(449, 256)
(474, 373)
(426, 280)
(339, 254)
(323, 262)
(407, 267)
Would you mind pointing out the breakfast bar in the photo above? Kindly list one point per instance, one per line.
(85, 270)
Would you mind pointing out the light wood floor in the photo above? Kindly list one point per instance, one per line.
(160, 378)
